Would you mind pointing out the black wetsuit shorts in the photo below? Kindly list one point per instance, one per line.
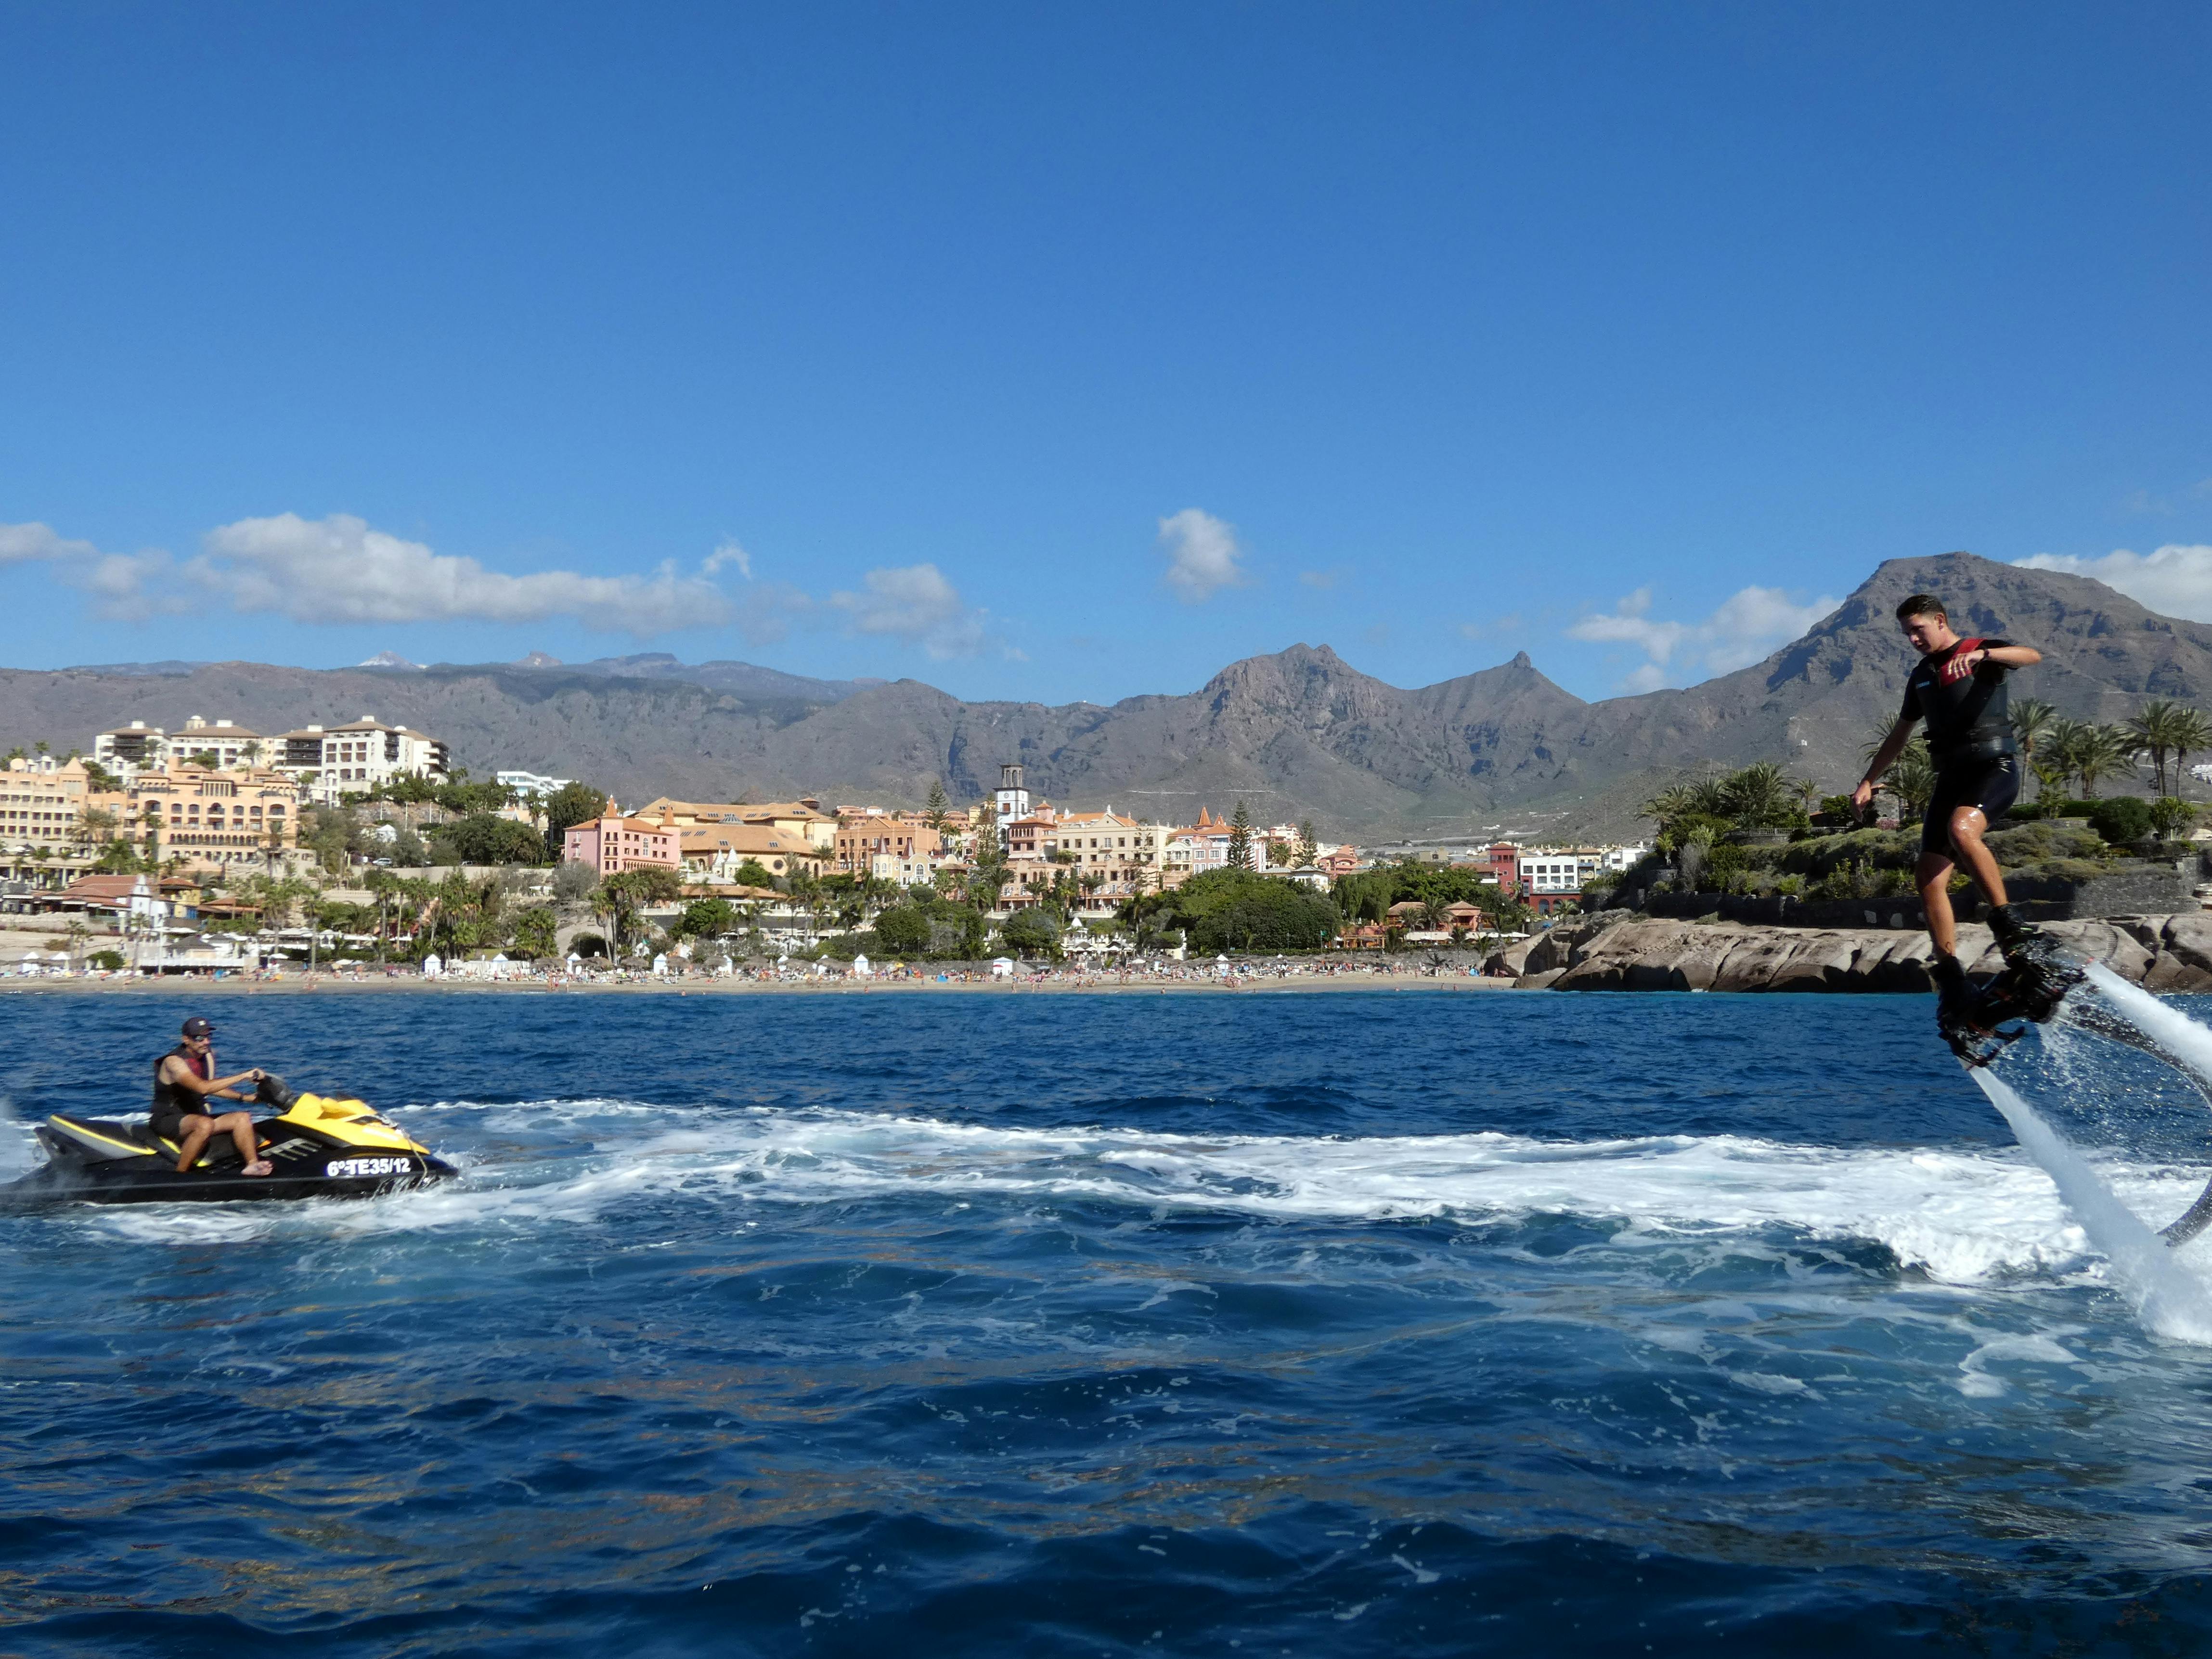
(1992, 785)
(170, 1125)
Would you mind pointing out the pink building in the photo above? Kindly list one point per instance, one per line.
(611, 844)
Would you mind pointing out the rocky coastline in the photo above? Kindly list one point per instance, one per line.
(1623, 951)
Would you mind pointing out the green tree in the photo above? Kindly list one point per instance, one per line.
(905, 929)
(568, 805)
(1758, 797)
(1913, 776)
(1240, 837)
(2192, 734)
(1232, 910)
(482, 838)
(621, 896)
(574, 882)
(2032, 721)
(536, 931)
(933, 814)
(707, 918)
(2159, 730)
(2104, 752)
(1031, 933)
(1308, 847)
(2064, 743)
(753, 873)
(332, 834)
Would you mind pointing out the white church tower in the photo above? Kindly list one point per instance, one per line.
(1012, 802)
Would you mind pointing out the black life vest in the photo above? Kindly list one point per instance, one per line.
(169, 1097)
(1978, 725)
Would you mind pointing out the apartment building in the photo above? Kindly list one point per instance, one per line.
(352, 759)
(211, 818)
(42, 806)
(1114, 851)
(869, 839)
(349, 759)
(127, 749)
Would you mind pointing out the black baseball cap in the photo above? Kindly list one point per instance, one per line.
(196, 1027)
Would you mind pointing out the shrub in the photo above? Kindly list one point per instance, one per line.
(2173, 818)
(2122, 820)
(109, 960)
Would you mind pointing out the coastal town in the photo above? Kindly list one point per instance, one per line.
(216, 849)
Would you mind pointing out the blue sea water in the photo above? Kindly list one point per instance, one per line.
(1397, 1323)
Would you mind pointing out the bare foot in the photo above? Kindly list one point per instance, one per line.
(260, 1166)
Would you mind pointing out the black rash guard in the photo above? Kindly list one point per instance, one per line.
(1968, 719)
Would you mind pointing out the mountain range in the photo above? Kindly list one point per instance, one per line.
(1297, 733)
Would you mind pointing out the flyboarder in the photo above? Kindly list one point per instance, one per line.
(1959, 689)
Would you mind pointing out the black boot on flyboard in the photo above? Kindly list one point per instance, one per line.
(1959, 1016)
(2035, 981)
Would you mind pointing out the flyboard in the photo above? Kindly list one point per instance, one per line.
(2040, 983)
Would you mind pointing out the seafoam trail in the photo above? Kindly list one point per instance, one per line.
(2170, 1298)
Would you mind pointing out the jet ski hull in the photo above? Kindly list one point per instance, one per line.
(320, 1148)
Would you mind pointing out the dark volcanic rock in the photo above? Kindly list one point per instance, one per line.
(2164, 953)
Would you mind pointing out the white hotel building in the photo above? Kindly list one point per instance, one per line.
(326, 761)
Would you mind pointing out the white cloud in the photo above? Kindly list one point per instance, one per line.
(2176, 580)
(915, 603)
(29, 543)
(1747, 625)
(339, 570)
(729, 553)
(116, 581)
(1202, 553)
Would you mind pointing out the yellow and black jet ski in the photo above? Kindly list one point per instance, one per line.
(322, 1146)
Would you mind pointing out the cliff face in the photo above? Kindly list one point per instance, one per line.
(1299, 733)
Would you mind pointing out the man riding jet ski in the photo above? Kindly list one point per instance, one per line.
(313, 1147)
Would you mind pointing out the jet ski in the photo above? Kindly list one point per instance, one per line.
(322, 1146)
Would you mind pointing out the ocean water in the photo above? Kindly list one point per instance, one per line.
(1395, 1322)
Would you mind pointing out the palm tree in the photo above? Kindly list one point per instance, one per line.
(1670, 805)
(1758, 795)
(2192, 731)
(2062, 744)
(2158, 730)
(1913, 775)
(2031, 721)
(2102, 751)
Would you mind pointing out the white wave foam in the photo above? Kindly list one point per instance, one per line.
(1961, 1215)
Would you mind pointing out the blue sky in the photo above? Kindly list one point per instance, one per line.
(1057, 353)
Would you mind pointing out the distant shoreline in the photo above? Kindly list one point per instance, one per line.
(323, 986)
